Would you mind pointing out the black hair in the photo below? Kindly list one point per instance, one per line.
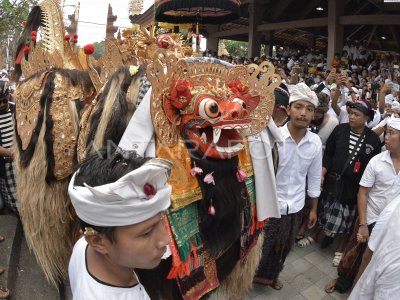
(103, 167)
(367, 111)
(4, 89)
(281, 95)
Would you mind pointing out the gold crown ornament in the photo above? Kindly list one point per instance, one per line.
(54, 49)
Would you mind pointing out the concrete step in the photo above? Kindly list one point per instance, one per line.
(31, 283)
(11, 229)
(23, 277)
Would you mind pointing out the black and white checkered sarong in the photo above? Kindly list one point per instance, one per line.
(336, 217)
(9, 187)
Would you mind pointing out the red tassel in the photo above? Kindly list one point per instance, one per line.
(67, 37)
(26, 52)
(75, 36)
(186, 268)
(19, 57)
(89, 49)
(173, 273)
(259, 225)
(180, 270)
(253, 219)
(195, 261)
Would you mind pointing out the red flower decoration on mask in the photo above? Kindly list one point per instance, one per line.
(181, 94)
(238, 88)
(149, 190)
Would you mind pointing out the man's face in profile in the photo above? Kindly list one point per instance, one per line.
(140, 245)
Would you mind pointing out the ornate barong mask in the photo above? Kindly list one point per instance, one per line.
(211, 104)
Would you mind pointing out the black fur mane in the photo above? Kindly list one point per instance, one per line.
(118, 122)
(224, 228)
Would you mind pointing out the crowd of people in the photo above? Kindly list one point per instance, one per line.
(355, 113)
(337, 122)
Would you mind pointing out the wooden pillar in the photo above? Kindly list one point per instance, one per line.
(269, 43)
(311, 41)
(212, 42)
(255, 14)
(335, 30)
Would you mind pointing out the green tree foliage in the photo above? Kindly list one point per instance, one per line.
(98, 49)
(236, 48)
(12, 14)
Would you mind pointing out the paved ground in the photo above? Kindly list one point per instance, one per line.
(305, 274)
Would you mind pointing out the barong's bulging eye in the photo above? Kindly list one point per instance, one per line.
(209, 109)
(212, 109)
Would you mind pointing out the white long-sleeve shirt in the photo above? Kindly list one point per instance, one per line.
(296, 163)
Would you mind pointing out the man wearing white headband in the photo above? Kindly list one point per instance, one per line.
(303, 149)
(120, 202)
(396, 107)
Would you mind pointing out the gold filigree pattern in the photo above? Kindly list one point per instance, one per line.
(52, 26)
(110, 61)
(166, 69)
(160, 72)
(51, 51)
(27, 108)
(262, 80)
(64, 129)
(84, 126)
(39, 59)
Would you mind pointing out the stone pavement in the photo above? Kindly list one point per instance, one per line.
(305, 274)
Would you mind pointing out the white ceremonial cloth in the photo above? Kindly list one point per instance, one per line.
(261, 146)
(139, 134)
(124, 202)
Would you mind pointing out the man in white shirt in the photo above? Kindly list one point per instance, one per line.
(380, 182)
(379, 273)
(120, 201)
(300, 157)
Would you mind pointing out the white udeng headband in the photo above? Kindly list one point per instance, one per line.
(301, 91)
(393, 122)
(124, 202)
